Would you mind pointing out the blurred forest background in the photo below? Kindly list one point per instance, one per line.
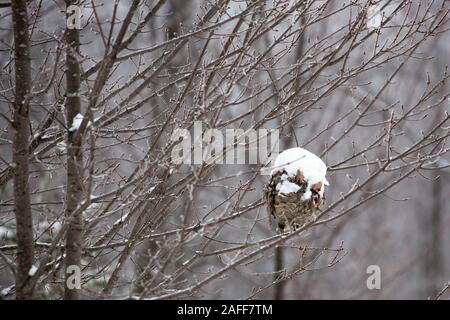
(361, 83)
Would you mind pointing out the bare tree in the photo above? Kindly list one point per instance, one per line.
(109, 198)
(75, 170)
(20, 164)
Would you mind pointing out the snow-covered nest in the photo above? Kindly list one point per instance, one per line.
(298, 160)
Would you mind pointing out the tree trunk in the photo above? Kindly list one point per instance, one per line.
(24, 219)
(74, 238)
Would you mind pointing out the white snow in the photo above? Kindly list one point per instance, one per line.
(285, 186)
(121, 220)
(6, 291)
(32, 271)
(311, 166)
(77, 122)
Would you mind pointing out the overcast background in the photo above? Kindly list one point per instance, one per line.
(404, 230)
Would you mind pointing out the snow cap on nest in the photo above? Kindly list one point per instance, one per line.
(310, 166)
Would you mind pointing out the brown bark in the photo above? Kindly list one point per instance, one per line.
(24, 219)
(278, 293)
(74, 238)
